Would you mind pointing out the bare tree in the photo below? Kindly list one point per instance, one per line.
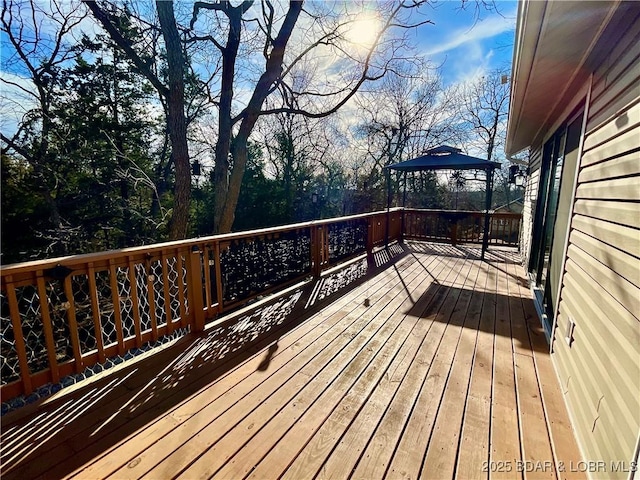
(403, 116)
(484, 106)
(483, 109)
(301, 56)
(322, 34)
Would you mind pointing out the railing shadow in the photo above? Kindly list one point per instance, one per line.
(91, 419)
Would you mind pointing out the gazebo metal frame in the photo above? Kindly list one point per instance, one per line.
(448, 158)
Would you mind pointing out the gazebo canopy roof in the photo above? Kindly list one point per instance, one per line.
(444, 158)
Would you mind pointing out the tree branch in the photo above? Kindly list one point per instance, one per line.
(125, 45)
(19, 150)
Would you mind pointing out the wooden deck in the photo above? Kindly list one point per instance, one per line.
(445, 374)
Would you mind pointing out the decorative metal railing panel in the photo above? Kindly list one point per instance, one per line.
(106, 309)
(9, 363)
(257, 264)
(59, 320)
(348, 238)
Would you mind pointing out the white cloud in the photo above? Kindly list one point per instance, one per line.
(487, 28)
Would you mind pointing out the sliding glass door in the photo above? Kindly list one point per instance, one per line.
(551, 221)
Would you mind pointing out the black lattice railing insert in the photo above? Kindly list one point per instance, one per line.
(250, 266)
(347, 238)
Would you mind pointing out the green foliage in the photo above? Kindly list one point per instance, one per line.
(88, 181)
(22, 211)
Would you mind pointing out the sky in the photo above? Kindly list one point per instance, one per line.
(467, 42)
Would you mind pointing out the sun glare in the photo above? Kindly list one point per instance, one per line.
(363, 31)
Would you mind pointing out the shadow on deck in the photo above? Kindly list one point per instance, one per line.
(446, 374)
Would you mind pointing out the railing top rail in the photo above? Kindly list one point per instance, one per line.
(475, 212)
(156, 248)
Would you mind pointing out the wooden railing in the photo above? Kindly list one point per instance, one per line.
(461, 226)
(61, 316)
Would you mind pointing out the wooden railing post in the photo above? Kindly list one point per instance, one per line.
(218, 272)
(21, 347)
(194, 287)
(316, 250)
(73, 324)
(454, 232)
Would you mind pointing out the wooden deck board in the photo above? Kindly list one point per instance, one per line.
(474, 441)
(446, 374)
(83, 430)
(307, 439)
(346, 454)
(172, 452)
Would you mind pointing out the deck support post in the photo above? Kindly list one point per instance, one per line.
(386, 231)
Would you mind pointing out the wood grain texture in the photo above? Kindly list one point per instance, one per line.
(442, 374)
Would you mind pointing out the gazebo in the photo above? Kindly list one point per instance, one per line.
(449, 158)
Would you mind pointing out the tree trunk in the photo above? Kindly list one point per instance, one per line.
(176, 121)
(225, 125)
(226, 201)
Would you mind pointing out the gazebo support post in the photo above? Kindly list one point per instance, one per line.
(386, 228)
(487, 206)
(404, 193)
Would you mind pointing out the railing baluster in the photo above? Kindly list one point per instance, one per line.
(95, 309)
(21, 347)
(207, 276)
(194, 291)
(135, 305)
(115, 298)
(218, 269)
(167, 293)
(184, 321)
(48, 328)
(73, 324)
(152, 299)
(316, 251)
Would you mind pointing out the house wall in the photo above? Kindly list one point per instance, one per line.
(600, 371)
(600, 285)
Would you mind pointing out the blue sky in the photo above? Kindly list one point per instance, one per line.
(468, 42)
